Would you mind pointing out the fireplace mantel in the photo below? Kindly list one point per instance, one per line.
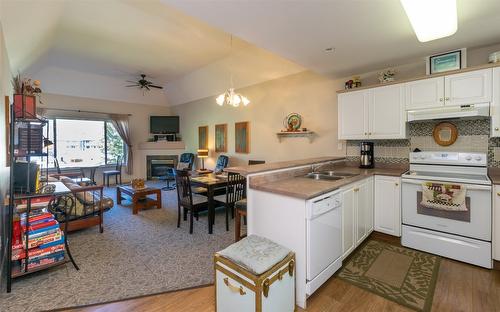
(162, 145)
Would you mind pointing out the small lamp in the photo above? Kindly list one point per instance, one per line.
(203, 153)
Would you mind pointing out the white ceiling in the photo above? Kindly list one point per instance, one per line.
(366, 34)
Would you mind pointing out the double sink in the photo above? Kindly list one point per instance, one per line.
(330, 175)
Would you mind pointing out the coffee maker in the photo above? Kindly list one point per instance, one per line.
(367, 160)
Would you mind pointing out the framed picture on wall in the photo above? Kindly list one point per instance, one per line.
(451, 60)
(221, 138)
(203, 137)
(242, 137)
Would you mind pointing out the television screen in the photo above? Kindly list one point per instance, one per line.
(164, 124)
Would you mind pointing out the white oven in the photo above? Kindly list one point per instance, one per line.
(434, 219)
(473, 223)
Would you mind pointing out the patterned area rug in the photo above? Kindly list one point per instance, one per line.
(403, 275)
(136, 255)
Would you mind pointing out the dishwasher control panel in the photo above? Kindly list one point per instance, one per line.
(325, 204)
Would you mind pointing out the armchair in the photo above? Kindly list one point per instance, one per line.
(186, 161)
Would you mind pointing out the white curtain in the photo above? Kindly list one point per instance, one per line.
(120, 122)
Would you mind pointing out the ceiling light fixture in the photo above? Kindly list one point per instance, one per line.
(230, 97)
(431, 19)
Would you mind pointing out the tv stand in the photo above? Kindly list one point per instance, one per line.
(165, 137)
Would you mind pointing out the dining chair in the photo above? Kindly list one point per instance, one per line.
(240, 208)
(235, 191)
(60, 173)
(91, 177)
(117, 172)
(189, 202)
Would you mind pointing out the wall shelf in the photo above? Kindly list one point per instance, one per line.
(296, 134)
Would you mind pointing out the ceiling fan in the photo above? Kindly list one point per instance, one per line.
(142, 84)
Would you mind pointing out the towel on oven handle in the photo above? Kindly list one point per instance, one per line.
(444, 196)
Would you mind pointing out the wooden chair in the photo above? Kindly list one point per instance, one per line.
(186, 200)
(117, 172)
(235, 191)
(91, 177)
(69, 174)
(241, 211)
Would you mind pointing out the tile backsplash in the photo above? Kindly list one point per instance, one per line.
(473, 136)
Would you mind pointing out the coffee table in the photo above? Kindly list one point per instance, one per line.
(139, 197)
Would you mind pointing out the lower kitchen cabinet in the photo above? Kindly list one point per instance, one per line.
(388, 205)
(357, 214)
(496, 224)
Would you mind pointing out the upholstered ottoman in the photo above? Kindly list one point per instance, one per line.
(255, 274)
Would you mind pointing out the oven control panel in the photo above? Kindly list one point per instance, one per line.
(449, 158)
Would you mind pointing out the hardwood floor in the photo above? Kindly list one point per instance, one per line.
(460, 287)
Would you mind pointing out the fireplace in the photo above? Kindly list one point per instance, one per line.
(159, 165)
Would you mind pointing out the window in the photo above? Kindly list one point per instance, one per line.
(80, 143)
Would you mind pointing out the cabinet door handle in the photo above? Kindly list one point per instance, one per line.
(369, 133)
(496, 128)
(397, 183)
(447, 99)
(498, 194)
(234, 288)
(366, 133)
(441, 100)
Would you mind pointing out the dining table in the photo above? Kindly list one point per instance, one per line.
(211, 182)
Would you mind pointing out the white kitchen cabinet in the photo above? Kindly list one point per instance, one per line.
(468, 88)
(348, 221)
(364, 211)
(386, 114)
(388, 205)
(357, 214)
(424, 93)
(372, 114)
(495, 103)
(353, 115)
(496, 223)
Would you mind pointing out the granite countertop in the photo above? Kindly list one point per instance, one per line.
(305, 188)
(494, 174)
(246, 170)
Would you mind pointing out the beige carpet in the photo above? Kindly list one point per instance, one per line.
(403, 275)
(136, 255)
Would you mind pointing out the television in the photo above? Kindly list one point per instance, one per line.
(164, 124)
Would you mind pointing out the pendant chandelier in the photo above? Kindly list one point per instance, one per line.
(230, 97)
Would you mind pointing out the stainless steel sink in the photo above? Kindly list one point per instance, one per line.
(320, 176)
(338, 174)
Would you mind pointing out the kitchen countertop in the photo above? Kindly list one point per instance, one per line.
(306, 188)
(494, 174)
(246, 170)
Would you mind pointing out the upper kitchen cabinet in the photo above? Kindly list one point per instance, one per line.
(472, 87)
(495, 104)
(372, 114)
(353, 115)
(386, 113)
(425, 93)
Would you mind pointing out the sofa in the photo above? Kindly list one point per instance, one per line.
(87, 206)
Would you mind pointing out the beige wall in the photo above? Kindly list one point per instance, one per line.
(311, 95)
(139, 119)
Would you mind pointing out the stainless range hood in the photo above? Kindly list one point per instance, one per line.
(450, 112)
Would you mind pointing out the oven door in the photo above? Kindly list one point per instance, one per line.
(473, 223)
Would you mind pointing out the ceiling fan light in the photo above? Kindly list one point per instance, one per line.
(430, 19)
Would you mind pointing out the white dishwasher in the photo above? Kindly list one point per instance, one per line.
(324, 239)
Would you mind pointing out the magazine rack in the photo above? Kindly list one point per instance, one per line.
(24, 197)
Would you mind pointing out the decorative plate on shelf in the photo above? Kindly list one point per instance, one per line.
(292, 122)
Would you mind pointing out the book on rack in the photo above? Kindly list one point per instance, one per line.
(42, 240)
(39, 225)
(41, 230)
(45, 260)
(36, 203)
(38, 215)
(38, 252)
